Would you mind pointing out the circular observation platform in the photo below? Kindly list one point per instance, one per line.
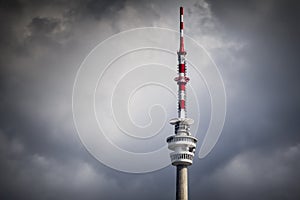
(183, 147)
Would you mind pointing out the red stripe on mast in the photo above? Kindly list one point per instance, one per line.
(181, 25)
(182, 104)
(181, 68)
(182, 87)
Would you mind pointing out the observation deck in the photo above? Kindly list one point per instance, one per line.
(182, 144)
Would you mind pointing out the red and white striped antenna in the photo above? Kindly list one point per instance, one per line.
(182, 79)
(181, 48)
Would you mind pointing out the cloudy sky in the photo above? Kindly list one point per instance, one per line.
(255, 44)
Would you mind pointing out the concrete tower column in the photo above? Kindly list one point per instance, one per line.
(182, 183)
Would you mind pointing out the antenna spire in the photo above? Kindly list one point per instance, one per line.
(181, 48)
(182, 79)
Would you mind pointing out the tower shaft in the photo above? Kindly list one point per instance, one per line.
(182, 182)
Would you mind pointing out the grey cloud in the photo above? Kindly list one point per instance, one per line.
(255, 46)
(257, 174)
(40, 25)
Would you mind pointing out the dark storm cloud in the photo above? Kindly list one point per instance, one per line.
(104, 8)
(262, 118)
(42, 25)
(255, 44)
(41, 156)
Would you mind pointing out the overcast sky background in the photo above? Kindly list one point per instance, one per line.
(255, 43)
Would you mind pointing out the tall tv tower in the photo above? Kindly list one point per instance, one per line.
(182, 144)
